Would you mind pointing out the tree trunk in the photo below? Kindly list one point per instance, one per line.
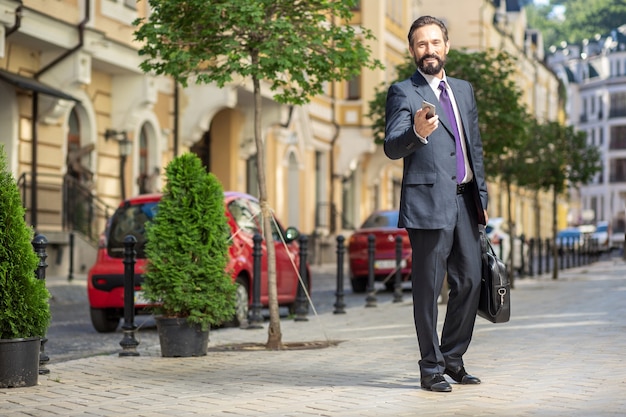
(274, 337)
(555, 251)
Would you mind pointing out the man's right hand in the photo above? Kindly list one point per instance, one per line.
(425, 126)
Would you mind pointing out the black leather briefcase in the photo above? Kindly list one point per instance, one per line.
(495, 287)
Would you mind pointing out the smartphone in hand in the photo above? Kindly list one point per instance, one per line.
(428, 107)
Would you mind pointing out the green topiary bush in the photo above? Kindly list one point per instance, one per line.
(187, 246)
(24, 308)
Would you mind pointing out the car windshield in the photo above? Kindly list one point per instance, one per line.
(130, 220)
(602, 228)
(381, 219)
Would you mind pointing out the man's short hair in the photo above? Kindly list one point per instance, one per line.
(428, 20)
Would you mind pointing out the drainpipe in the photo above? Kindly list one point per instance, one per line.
(33, 188)
(176, 112)
(18, 20)
(81, 41)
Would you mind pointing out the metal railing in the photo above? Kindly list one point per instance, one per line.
(67, 205)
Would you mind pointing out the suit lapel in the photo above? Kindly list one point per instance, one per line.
(425, 92)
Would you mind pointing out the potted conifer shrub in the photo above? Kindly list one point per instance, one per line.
(24, 308)
(187, 253)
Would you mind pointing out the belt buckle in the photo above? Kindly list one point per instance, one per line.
(460, 188)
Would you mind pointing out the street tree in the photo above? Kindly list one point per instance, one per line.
(294, 46)
(557, 158)
(572, 21)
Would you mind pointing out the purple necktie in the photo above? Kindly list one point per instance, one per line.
(444, 100)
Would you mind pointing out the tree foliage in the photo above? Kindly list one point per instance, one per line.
(294, 46)
(290, 44)
(581, 19)
(187, 247)
(557, 157)
(24, 309)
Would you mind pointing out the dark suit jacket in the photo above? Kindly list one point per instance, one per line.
(429, 179)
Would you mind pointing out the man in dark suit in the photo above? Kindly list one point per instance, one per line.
(443, 200)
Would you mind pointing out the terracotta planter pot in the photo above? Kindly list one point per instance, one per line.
(19, 362)
(181, 339)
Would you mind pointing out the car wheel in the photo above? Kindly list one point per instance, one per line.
(104, 320)
(242, 299)
(359, 284)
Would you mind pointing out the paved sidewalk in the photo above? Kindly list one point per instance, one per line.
(560, 355)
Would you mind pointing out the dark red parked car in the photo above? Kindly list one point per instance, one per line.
(105, 282)
(383, 225)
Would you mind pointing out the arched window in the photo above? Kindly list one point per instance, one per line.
(147, 176)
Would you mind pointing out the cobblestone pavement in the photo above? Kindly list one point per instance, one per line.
(560, 355)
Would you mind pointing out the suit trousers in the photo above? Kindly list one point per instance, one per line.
(453, 252)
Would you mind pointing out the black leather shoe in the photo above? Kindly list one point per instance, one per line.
(435, 383)
(460, 376)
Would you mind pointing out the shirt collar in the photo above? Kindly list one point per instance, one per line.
(433, 81)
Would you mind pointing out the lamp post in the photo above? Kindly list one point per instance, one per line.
(125, 148)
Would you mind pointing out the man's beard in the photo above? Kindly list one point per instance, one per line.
(430, 69)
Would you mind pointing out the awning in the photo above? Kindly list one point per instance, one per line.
(33, 85)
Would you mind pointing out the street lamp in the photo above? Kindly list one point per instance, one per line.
(125, 148)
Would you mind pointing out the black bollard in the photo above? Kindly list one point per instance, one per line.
(549, 256)
(397, 283)
(302, 302)
(40, 242)
(539, 256)
(522, 255)
(129, 343)
(339, 303)
(70, 275)
(370, 300)
(256, 319)
(531, 257)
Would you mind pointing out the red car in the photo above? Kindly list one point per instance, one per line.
(383, 225)
(105, 282)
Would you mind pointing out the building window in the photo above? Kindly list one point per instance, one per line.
(618, 170)
(618, 105)
(252, 184)
(593, 137)
(601, 136)
(124, 11)
(618, 138)
(321, 204)
(593, 104)
(354, 88)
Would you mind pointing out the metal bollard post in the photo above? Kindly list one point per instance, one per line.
(339, 303)
(70, 276)
(397, 283)
(302, 303)
(256, 319)
(531, 257)
(40, 242)
(549, 256)
(370, 300)
(539, 256)
(522, 256)
(129, 343)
